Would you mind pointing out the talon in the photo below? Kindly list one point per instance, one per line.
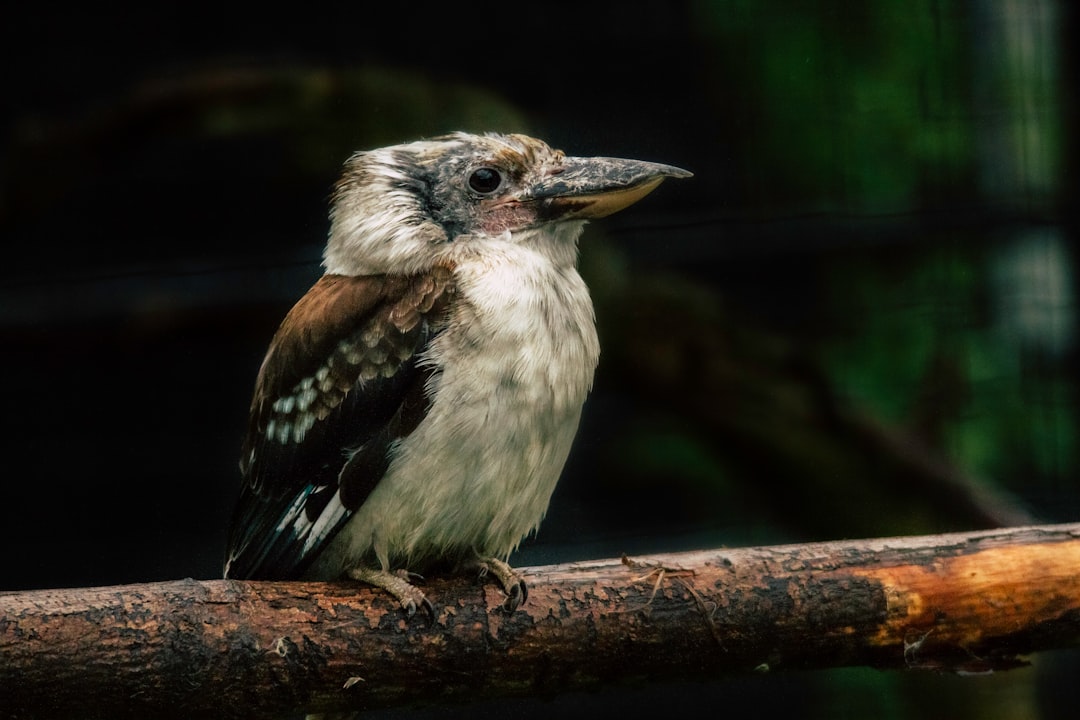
(429, 609)
(409, 576)
(512, 584)
(409, 605)
(515, 596)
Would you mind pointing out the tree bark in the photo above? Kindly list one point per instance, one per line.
(971, 602)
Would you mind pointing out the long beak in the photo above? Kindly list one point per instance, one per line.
(587, 188)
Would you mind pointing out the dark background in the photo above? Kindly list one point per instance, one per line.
(859, 317)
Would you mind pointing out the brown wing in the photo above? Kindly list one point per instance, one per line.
(340, 382)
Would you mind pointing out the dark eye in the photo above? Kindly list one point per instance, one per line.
(485, 180)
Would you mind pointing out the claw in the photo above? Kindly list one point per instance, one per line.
(409, 576)
(516, 594)
(409, 607)
(512, 584)
(429, 609)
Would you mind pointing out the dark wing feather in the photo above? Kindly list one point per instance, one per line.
(340, 383)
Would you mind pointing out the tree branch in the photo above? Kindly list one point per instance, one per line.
(965, 602)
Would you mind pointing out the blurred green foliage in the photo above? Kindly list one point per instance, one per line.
(846, 106)
(919, 341)
(904, 109)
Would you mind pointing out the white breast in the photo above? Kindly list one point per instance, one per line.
(517, 362)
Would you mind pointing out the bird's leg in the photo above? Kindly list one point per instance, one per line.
(512, 584)
(398, 585)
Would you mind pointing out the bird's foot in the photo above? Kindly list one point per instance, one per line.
(512, 584)
(397, 584)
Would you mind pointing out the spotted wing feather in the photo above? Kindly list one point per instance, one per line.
(341, 382)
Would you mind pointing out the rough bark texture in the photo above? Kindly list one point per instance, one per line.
(966, 602)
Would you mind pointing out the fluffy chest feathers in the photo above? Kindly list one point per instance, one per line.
(524, 330)
(512, 369)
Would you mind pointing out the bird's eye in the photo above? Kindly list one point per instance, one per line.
(485, 180)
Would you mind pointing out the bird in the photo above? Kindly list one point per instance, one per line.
(416, 406)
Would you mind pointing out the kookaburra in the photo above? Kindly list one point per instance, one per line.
(417, 405)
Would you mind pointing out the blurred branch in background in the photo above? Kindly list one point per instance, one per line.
(219, 148)
(764, 409)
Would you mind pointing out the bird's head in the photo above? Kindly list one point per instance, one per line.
(396, 208)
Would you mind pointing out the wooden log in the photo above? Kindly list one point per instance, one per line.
(974, 602)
